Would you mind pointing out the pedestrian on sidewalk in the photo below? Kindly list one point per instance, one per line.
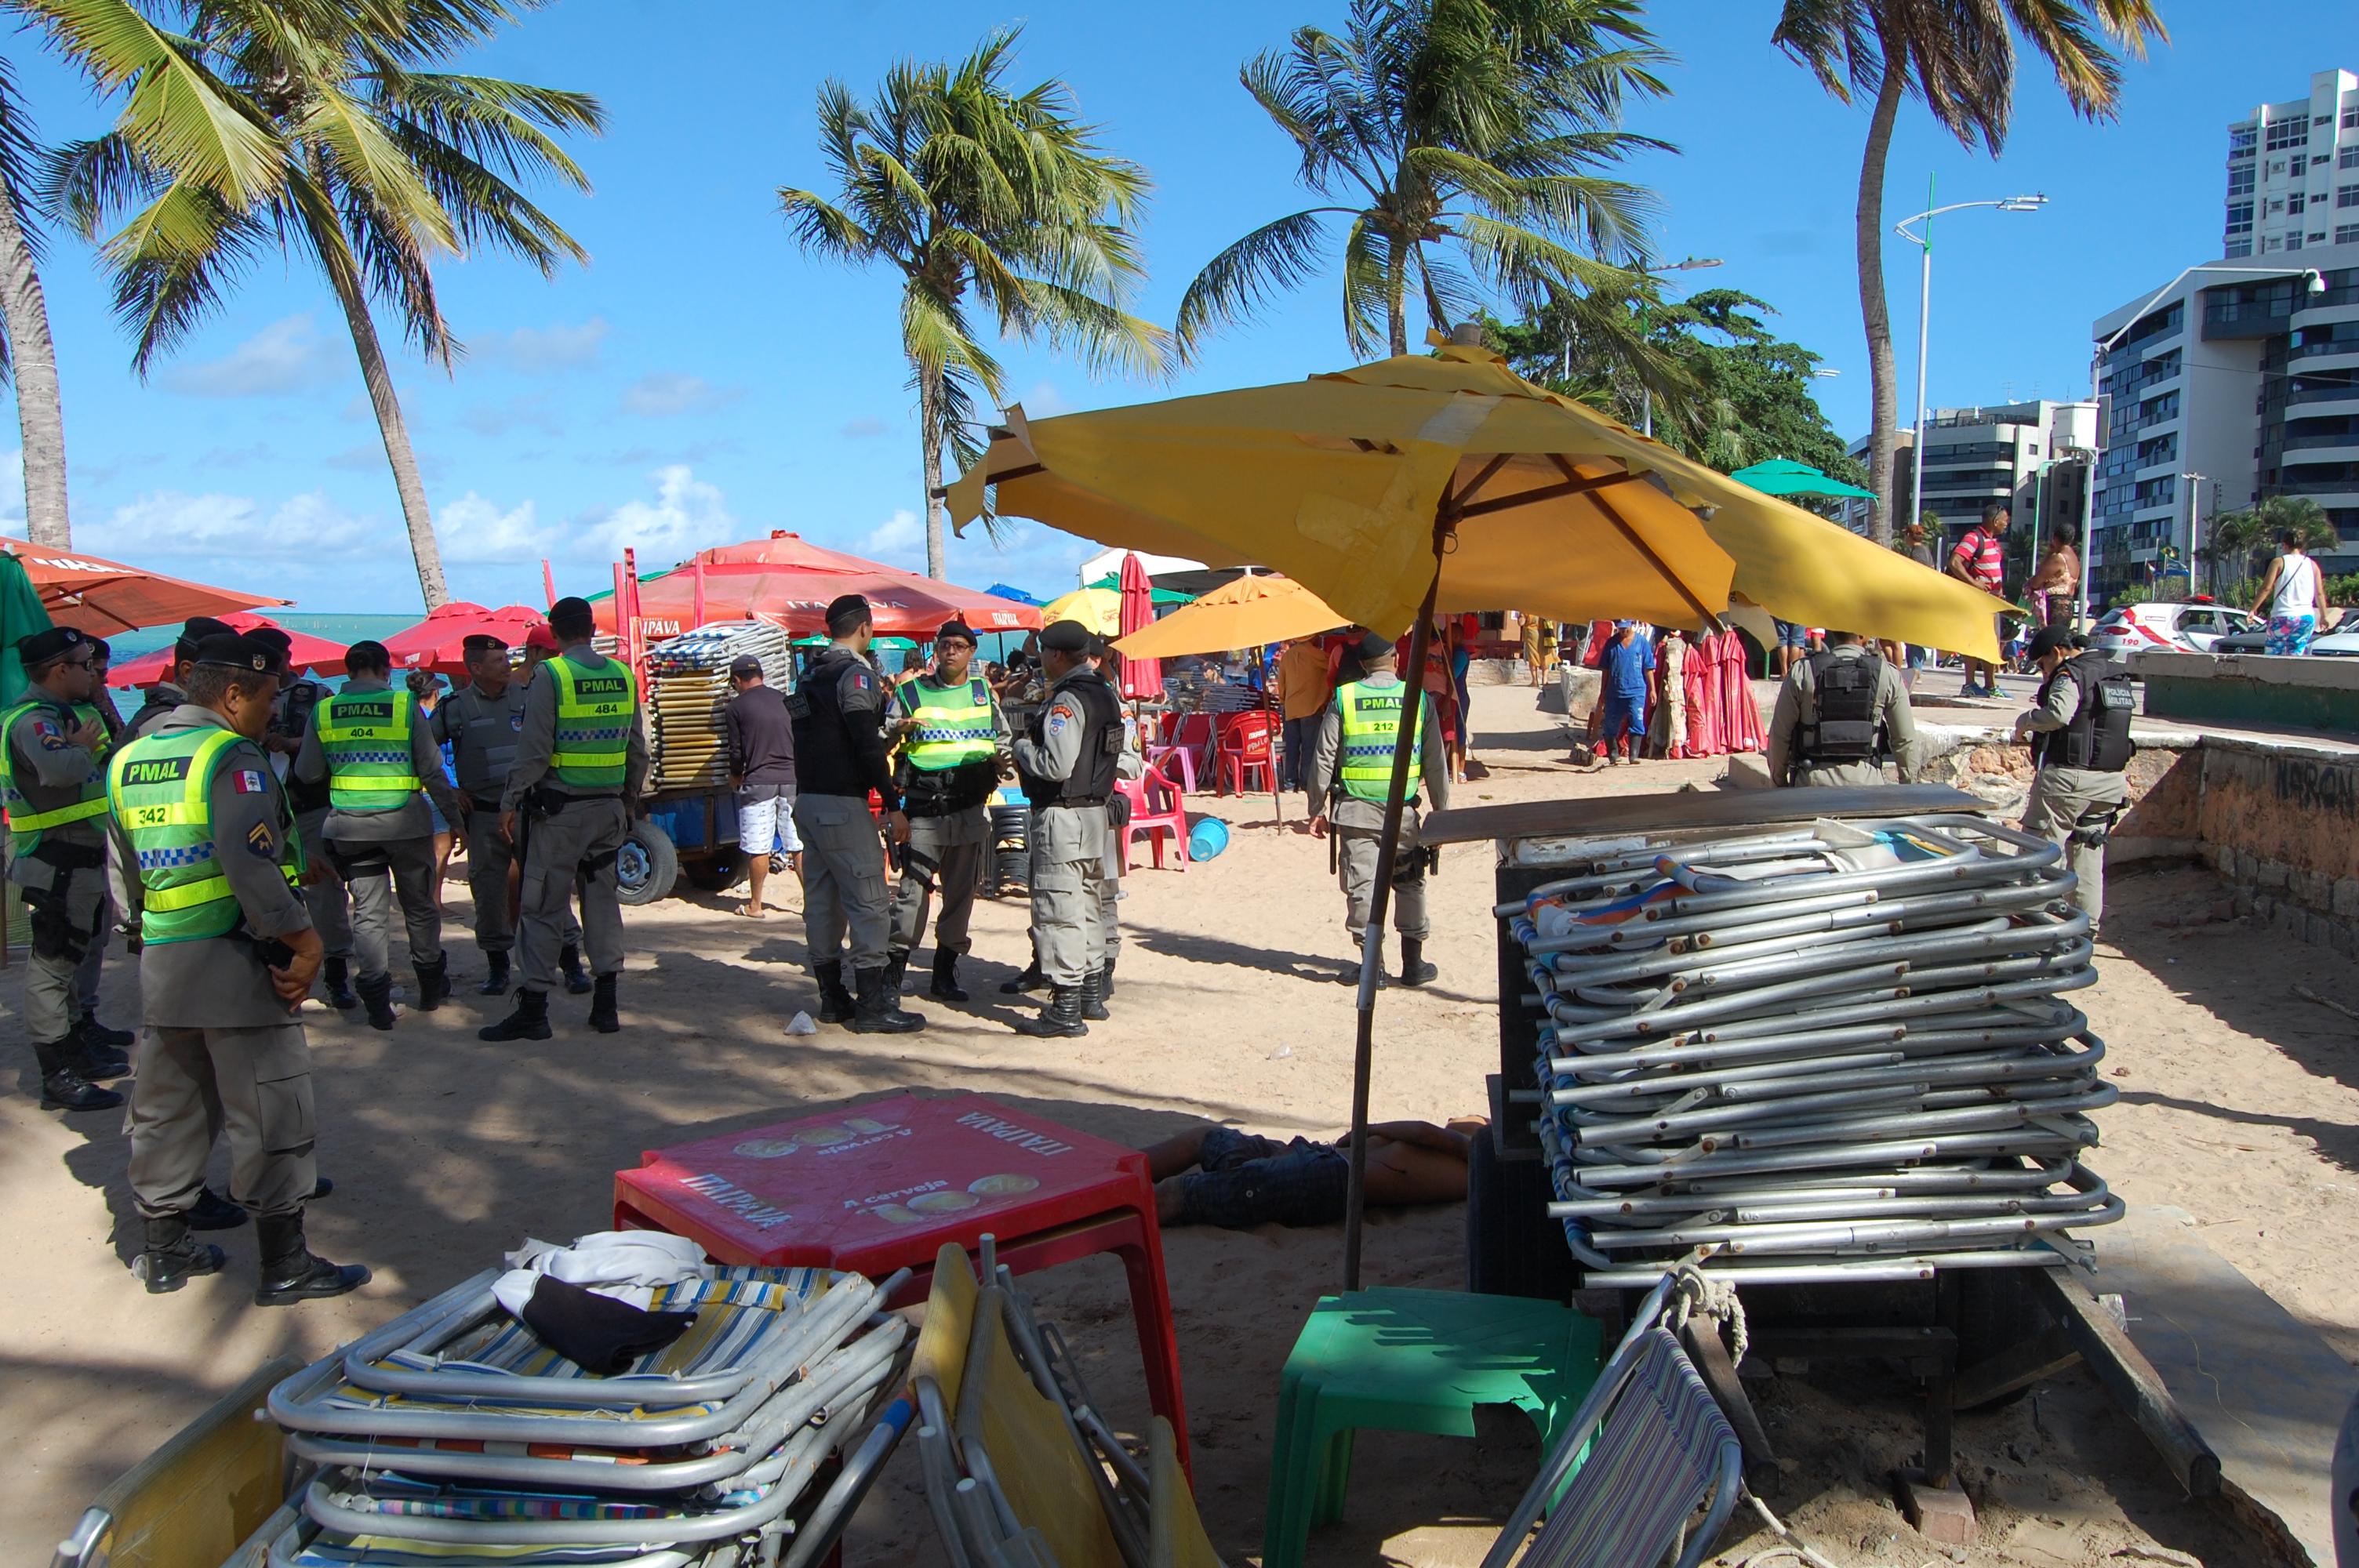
(2294, 589)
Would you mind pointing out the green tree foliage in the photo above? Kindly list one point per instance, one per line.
(2237, 545)
(979, 195)
(1464, 137)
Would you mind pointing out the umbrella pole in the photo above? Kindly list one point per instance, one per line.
(1372, 941)
(1277, 801)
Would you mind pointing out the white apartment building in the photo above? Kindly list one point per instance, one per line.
(2243, 373)
(2011, 453)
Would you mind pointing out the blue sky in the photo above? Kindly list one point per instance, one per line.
(701, 382)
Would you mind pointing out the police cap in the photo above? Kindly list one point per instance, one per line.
(280, 642)
(196, 630)
(1065, 637)
(476, 644)
(955, 627)
(847, 613)
(1375, 645)
(239, 651)
(2048, 640)
(40, 648)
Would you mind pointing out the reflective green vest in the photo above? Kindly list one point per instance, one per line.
(25, 824)
(365, 735)
(1371, 725)
(160, 788)
(89, 713)
(595, 710)
(954, 725)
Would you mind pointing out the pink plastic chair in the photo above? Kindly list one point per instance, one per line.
(1156, 807)
(1187, 758)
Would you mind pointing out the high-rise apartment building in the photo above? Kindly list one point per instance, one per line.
(2240, 379)
(2018, 454)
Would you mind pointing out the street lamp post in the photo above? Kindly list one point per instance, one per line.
(2194, 527)
(1924, 244)
(1690, 265)
(2312, 279)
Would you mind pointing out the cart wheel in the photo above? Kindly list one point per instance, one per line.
(1513, 1248)
(716, 872)
(647, 865)
(1997, 1309)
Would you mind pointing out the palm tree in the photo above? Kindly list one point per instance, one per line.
(969, 188)
(27, 350)
(1957, 58)
(2232, 541)
(314, 126)
(1476, 123)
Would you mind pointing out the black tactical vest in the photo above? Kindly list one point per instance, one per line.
(1846, 729)
(2098, 737)
(1092, 781)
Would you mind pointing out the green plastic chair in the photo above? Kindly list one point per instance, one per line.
(1399, 1360)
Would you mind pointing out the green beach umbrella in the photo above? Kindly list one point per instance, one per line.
(21, 615)
(1780, 477)
(1113, 584)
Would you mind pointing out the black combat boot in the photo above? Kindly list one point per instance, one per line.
(171, 1258)
(528, 1021)
(376, 995)
(433, 983)
(1060, 1019)
(290, 1272)
(92, 1058)
(1415, 971)
(336, 971)
(90, 1032)
(1031, 980)
(63, 1087)
(1105, 975)
(834, 1001)
(213, 1212)
(946, 987)
(897, 968)
(495, 983)
(1094, 1007)
(1351, 976)
(568, 958)
(876, 1010)
(602, 1016)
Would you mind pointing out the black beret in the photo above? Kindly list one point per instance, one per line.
(197, 629)
(955, 627)
(1066, 637)
(279, 642)
(39, 648)
(847, 612)
(475, 642)
(239, 651)
(101, 650)
(1375, 647)
(2048, 640)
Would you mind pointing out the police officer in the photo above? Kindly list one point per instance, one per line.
(166, 694)
(581, 762)
(1840, 714)
(1067, 763)
(203, 864)
(90, 971)
(1132, 764)
(375, 750)
(839, 710)
(1351, 771)
(56, 792)
(481, 722)
(2079, 731)
(952, 735)
(323, 891)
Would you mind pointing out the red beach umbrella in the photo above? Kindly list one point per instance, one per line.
(1141, 678)
(437, 643)
(308, 652)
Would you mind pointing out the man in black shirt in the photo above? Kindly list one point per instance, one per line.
(761, 737)
(839, 713)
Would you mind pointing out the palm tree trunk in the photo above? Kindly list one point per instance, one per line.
(1396, 295)
(1883, 438)
(406, 479)
(40, 411)
(930, 432)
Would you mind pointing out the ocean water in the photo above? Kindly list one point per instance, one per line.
(346, 629)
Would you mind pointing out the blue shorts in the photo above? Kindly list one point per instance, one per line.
(1245, 1181)
(1792, 636)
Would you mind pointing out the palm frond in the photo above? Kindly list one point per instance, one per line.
(1271, 260)
(174, 262)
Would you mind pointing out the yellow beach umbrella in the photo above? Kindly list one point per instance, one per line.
(1099, 609)
(1251, 612)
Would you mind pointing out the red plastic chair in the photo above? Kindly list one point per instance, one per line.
(1196, 733)
(1246, 748)
(1157, 808)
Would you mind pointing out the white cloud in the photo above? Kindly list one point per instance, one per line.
(664, 392)
(898, 541)
(541, 351)
(687, 515)
(173, 523)
(285, 356)
(473, 530)
(533, 411)
(864, 428)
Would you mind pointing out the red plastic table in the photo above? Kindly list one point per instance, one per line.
(882, 1186)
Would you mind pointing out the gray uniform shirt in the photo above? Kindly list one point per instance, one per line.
(538, 740)
(1798, 704)
(483, 734)
(219, 982)
(50, 772)
(1067, 833)
(1350, 811)
(410, 819)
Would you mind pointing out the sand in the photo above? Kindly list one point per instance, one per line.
(2239, 1104)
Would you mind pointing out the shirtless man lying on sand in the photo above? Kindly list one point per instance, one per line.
(1217, 1175)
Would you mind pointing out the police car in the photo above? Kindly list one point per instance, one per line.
(2192, 626)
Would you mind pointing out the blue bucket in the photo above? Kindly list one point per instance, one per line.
(1207, 839)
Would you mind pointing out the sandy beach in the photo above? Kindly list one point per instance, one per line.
(2240, 1102)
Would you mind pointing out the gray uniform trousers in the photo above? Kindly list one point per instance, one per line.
(844, 881)
(570, 849)
(948, 850)
(327, 900)
(255, 1084)
(1109, 889)
(403, 869)
(1355, 868)
(489, 856)
(53, 981)
(94, 960)
(2065, 799)
(1843, 776)
(1069, 902)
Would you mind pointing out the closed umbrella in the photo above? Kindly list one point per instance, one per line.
(304, 652)
(1141, 677)
(438, 641)
(93, 594)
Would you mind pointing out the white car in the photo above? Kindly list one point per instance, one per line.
(2189, 627)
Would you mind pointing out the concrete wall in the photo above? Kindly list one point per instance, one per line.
(2251, 689)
